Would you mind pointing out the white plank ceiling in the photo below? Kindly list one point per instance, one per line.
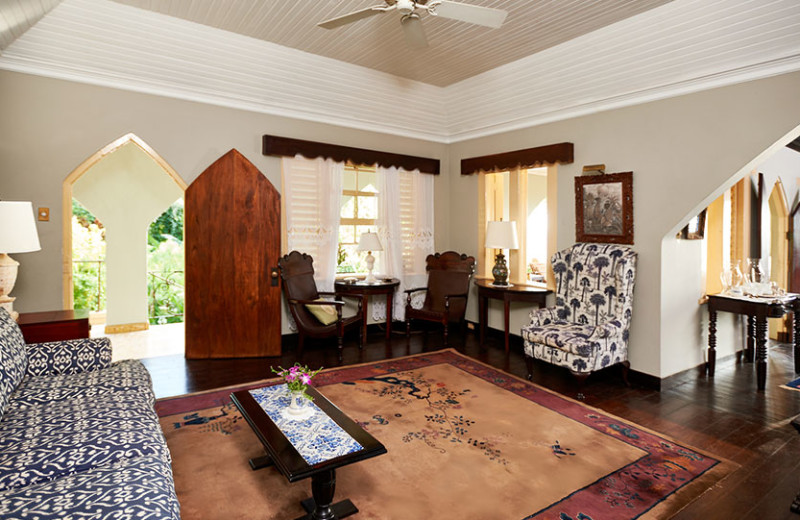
(457, 50)
(17, 16)
(268, 56)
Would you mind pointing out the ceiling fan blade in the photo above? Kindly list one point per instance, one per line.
(353, 17)
(415, 34)
(487, 16)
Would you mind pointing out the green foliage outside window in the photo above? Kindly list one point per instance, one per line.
(88, 260)
(168, 224)
(165, 279)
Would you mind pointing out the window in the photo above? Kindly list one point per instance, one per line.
(519, 195)
(359, 212)
(327, 205)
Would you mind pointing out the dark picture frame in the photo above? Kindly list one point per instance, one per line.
(695, 229)
(604, 208)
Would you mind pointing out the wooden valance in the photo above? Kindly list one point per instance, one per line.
(287, 147)
(561, 153)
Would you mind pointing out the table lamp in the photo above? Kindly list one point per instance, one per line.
(17, 235)
(369, 242)
(501, 235)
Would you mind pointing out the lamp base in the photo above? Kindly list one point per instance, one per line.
(370, 261)
(500, 271)
(7, 303)
(8, 277)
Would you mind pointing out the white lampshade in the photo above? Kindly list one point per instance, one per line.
(18, 228)
(501, 235)
(369, 242)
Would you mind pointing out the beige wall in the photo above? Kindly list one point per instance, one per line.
(48, 127)
(681, 151)
(126, 190)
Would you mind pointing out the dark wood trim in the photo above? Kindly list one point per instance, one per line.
(685, 234)
(647, 381)
(755, 218)
(288, 147)
(561, 153)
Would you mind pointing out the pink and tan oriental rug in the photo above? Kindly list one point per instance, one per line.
(465, 441)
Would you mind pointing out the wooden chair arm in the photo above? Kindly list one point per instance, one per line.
(317, 302)
(409, 292)
(339, 296)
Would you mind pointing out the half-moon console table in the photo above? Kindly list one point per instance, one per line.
(757, 311)
(509, 293)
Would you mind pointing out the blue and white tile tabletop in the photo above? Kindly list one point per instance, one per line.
(317, 438)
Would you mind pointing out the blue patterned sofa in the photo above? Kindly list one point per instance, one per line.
(79, 437)
(588, 328)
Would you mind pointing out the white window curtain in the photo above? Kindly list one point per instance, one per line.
(405, 228)
(313, 198)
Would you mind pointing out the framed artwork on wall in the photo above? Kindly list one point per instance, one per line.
(695, 229)
(604, 208)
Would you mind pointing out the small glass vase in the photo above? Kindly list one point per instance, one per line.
(732, 280)
(299, 407)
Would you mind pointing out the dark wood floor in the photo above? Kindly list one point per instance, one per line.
(725, 416)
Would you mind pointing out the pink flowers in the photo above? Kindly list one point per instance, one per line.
(297, 377)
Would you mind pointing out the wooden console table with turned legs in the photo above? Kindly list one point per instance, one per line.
(757, 311)
(508, 293)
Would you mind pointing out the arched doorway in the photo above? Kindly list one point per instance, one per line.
(126, 184)
(779, 252)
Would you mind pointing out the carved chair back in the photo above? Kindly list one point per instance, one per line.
(448, 273)
(297, 275)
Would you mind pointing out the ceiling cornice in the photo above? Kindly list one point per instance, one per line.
(684, 46)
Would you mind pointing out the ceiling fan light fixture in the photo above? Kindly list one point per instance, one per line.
(415, 34)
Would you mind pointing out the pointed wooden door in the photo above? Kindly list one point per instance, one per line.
(232, 226)
(794, 249)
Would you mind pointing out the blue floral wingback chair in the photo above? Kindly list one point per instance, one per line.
(588, 328)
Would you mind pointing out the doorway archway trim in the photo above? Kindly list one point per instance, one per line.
(66, 202)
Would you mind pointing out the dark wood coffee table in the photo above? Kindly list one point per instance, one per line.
(283, 455)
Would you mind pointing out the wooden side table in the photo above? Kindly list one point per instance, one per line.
(365, 290)
(41, 327)
(510, 293)
(757, 311)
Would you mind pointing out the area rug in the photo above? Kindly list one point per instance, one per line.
(464, 441)
(792, 385)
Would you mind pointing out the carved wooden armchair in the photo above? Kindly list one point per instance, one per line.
(315, 316)
(588, 328)
(449, 275)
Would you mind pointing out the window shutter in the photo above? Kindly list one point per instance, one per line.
(302, 203)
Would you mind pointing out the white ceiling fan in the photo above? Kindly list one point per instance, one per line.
(410, 19)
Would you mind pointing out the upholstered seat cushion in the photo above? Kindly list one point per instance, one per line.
(53, 440)
(122, 376)
(576, 338)
(571, 337)
(130, 488)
